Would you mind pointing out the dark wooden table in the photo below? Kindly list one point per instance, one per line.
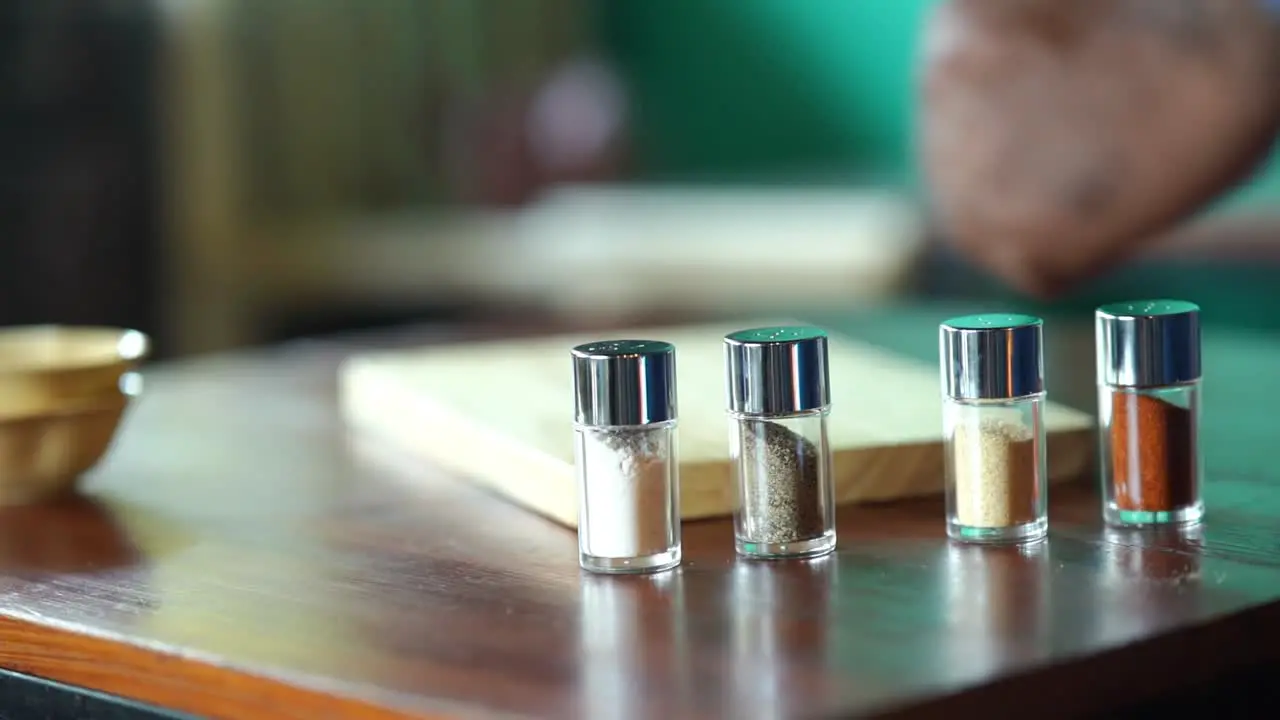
(243, 554)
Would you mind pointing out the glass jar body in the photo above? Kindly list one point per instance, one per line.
(996, 469)
(783, 488)
(628, 497)
(1151, 467)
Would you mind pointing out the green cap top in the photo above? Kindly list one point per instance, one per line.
(1149, 308)
(992, 321)
(784, 334)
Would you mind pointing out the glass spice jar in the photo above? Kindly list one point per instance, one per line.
(993, 428)
(779, 400)
(1149, 412)
(626, 456)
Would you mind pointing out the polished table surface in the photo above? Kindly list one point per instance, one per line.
(243, 554)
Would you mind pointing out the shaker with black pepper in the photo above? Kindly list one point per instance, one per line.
(779, 400)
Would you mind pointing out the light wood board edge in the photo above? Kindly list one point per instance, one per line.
(547, 487)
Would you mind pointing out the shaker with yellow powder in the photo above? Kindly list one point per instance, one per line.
(993, 427)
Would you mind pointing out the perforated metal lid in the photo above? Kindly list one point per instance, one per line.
(991, 356)
(624, 382)
(777, 370)
(1147, 343)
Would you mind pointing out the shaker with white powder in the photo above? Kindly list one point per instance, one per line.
(625, 451)
(993, 425)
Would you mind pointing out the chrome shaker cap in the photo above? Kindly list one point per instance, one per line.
(777, 370)
(992, 356)
(624, 382)
(1147, 343)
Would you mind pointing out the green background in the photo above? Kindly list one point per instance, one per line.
(729, 89)
(761, 87)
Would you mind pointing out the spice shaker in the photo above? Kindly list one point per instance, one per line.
(993, 428)
(1149, 412)
(779, 400)
(626, 456)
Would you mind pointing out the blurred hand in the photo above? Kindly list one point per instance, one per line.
(1059, 136)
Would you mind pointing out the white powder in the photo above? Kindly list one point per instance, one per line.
(624, 505)
(995, 470)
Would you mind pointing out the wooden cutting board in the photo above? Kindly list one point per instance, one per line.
(500, 414)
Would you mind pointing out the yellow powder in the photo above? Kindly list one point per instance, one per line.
(995, 474)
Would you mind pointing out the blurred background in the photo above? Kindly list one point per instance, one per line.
(223, 173)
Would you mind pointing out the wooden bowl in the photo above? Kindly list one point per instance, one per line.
(43, 456)
(48, 369)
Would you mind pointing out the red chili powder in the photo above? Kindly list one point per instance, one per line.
(1153, 461)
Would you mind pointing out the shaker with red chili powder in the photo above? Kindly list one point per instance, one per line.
(1149, 412)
